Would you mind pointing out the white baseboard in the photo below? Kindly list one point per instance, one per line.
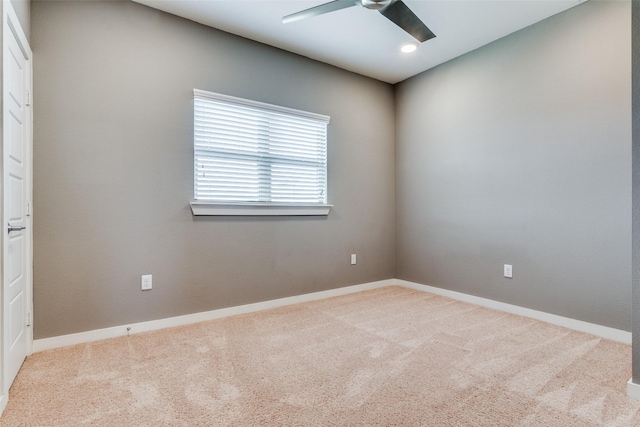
(3, 402)
(117, 331)
(577, 325)
(633, 390)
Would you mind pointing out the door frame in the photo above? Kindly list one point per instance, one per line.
(11, 28)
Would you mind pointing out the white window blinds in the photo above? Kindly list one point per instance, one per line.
(251, 152)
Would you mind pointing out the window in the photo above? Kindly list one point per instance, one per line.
(252, 158)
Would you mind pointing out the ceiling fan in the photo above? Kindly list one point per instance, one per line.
(394, 10)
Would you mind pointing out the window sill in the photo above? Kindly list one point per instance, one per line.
(248, 209)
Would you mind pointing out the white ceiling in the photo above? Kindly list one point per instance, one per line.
(364, 41)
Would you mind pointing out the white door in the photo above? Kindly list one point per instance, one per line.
(16, 188)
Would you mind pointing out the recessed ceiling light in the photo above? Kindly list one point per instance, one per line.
(409, 47)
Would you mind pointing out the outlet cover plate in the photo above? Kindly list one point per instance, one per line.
(146, 283)
(508, 271)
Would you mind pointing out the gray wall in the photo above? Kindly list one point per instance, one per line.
(635, 54)
(520, 153)
(113, 163)
(23, 12)
(516, 153)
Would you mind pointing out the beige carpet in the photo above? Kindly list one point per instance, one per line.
(388, 357)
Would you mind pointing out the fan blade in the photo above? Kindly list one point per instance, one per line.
(400, 14)
(318, 10)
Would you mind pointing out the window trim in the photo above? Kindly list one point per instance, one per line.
(199, 208)
(215, 208)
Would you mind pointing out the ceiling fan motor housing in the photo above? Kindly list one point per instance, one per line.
(375, 4)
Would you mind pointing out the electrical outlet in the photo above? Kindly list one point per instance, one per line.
(147, 284)
(353, 259)
(508, 271)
